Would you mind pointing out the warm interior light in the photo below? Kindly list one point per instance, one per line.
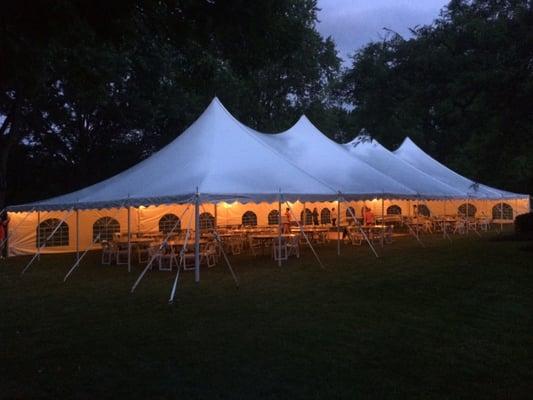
(142, 207)
(226, 205)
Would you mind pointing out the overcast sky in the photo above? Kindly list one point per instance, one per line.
(352, 23)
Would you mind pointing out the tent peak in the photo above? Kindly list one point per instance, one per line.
(408, 142)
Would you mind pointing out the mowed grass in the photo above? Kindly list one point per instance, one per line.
(448, 321)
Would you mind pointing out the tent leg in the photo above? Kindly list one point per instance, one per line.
(279, 229)
(197, 237)
(338, 228)
(77, 235)
(129, 239)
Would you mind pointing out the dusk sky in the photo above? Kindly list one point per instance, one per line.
(353, 23)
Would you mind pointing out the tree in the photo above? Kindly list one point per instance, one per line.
(462, 87)
(89, 88)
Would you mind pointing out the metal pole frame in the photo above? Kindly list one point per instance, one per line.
(197, 237)
(338, 227)
(129, 238)
(279, 228)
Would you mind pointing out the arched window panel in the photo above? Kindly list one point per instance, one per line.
(423, 210)
(502, 211)
(467, 210)
(325, 216)
(104, 229)
(169, 223)
(207, 221)
(273, 217)
(249, 218)
(394, 210)
(307, 217)
(59, 237)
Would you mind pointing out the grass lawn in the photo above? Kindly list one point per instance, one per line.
(449, 321)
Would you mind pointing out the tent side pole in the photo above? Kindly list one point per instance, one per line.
(197, 237)
(77, 235)
(279, 228)
(38, 239)
(338, 227)
(129, 239)
(382, 221)
(501, 216)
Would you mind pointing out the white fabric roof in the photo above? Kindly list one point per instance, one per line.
(225, 160)
(312, 151)
(372, 152)
(217, 155)
(414, 155)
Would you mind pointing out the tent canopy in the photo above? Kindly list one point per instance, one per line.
(220, 158)
(327, 160)
(414, 155)
(372, 152)
(216, 155)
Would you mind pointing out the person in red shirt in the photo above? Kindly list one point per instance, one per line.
(369, 217)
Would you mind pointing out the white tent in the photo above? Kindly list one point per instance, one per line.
(312, 151)
(426, 186)
(220, 161)
(216, 156)
(414, 155)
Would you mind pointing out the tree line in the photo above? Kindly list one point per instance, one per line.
(89, 88)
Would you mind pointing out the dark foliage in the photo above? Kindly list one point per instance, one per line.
(523, 224)
(462, 88)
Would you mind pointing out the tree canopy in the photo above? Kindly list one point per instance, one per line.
(461, 87)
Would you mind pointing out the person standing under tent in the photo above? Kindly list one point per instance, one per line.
(333, 217)
(369, 218)
(3, 235)
(287, 221)
(315, 216)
